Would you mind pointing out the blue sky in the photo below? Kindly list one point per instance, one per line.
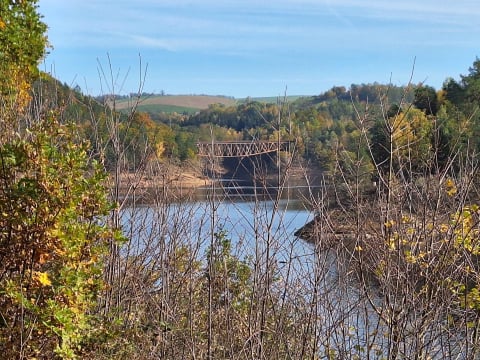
(257, 47)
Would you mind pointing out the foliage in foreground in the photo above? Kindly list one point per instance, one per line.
(52, 206)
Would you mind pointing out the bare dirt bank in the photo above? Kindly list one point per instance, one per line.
(174, 181)
(167, 179)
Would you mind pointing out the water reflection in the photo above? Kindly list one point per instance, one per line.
(295, 193)
(250, 216)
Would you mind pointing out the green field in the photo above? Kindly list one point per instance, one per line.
(190, 104)
(175, 103)
(169, 109)
(271, 99)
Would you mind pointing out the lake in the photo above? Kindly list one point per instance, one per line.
(251, 217)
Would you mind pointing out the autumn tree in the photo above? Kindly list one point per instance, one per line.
(22, 45)
(404, 137)
(52, 204)
(52, 208)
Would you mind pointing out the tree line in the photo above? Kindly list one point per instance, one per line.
(322, 125)
(325, 125)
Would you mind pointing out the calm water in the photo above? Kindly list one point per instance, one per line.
(250, 217)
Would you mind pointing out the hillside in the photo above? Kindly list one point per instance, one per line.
(273, 99)
(175, 103)
(189, 104)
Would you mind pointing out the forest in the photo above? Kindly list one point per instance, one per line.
(87, 271)
(322, 126)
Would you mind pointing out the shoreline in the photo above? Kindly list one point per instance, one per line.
(178, 181)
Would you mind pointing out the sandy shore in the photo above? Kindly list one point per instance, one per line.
(189, 180)
(171, 179)
(174, 180)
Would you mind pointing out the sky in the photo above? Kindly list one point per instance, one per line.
(256, 48)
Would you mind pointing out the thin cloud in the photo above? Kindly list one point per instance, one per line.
(206, 24)
(271, 41)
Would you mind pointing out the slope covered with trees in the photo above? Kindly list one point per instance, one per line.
(323, 126)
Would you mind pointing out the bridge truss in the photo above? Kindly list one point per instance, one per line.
(240, 148)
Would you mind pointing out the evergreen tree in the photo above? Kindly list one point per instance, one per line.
(426, 100)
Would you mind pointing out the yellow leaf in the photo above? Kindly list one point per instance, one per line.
(389, 224)
(444, 228)
(391, 244)
(42, 278)
(450, 187)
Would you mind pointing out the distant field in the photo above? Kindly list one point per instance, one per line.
(271, 99)
(169, 109)
(190, 104)
(176, 103)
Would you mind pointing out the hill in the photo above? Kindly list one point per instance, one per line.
(188, 104)
(272, 99)
(175, 103)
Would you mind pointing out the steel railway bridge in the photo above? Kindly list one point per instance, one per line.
(240, 148)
